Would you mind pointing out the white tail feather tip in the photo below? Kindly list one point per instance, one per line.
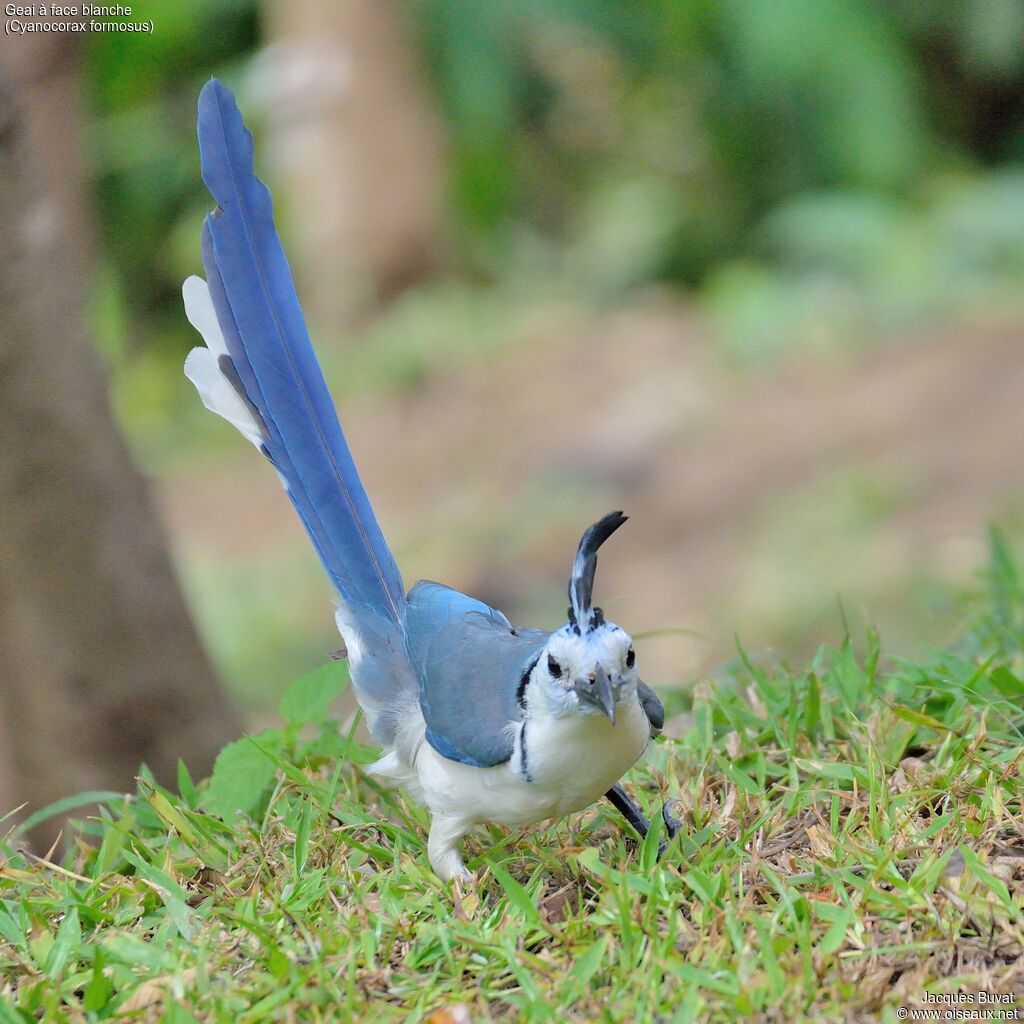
(215, 389)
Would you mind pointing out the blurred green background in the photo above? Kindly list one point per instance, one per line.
(752, 271)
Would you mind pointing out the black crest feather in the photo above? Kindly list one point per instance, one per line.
(582, 615)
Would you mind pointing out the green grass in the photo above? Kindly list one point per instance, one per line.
(852, 840)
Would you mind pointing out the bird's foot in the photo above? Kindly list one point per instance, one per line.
(629, 810)
(443, 845)
(464, 887)
(672, 825)
(465, 898)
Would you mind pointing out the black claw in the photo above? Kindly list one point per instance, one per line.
(672, 825)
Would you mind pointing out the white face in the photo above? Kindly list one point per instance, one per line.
(569, 671)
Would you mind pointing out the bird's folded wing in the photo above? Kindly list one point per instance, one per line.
(471, 663)
(653, 708)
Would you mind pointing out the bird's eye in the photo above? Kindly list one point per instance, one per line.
(630, 658)
(554, 668)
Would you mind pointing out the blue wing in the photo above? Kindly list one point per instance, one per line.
(259, 315)
(470, 662)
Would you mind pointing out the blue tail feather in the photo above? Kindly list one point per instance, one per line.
(273, 442)
(259, 314)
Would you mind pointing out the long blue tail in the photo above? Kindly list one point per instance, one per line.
(265, 333)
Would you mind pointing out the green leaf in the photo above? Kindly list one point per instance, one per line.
(831, 770)
(69, 936)
(1006, 682)
(836, 934)
(175, 1013)
(272, 752)
(186, 787)
(700, 883)
(740, 777)
(11, 930)
(812, 707)
(242, 776)
(651, 841)
(9, 1014)
(302, 837)
(169, 891)
(919, 718)
(308, 698)
(124, 948)
(172, 817)
(996, 885)
(99, 988)
(517, 895)
(589, 963)
(68, 803)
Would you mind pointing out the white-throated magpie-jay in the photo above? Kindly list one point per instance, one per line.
(480, 720)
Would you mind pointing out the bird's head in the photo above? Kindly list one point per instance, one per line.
(589, 664)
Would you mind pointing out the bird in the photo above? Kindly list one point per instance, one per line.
(478, 719)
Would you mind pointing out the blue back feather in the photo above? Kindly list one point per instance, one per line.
(470, 662)
(258, 311)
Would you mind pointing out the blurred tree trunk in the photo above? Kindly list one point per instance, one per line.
(101, 667)
(358, 145)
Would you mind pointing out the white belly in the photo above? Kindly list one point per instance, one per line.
(571, 762)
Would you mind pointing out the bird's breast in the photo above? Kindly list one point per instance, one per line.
(559, 765)
(573, 760)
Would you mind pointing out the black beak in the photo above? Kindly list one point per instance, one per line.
(604, 693)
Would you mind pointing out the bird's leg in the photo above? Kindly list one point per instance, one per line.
(446, 832)
(629, 810)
